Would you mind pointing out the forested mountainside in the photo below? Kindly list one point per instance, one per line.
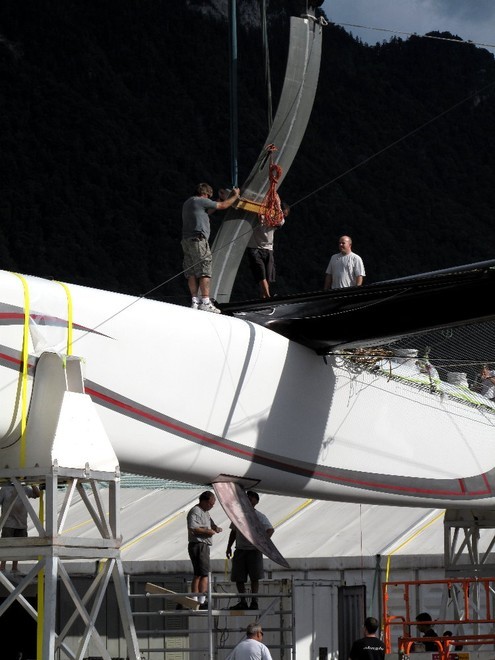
(112, 111)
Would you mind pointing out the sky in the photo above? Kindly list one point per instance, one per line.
(472, 20)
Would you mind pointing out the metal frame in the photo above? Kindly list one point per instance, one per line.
(461, 537)
(63, 444)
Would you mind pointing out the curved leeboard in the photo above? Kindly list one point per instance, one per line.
(289, 125)
(241, 512)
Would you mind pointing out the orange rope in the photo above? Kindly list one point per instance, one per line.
(271, 214)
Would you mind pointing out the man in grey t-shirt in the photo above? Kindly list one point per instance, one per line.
(200, 529)
(195, 246)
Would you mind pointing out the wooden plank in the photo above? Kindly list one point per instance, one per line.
(185, 601)
(246, 205)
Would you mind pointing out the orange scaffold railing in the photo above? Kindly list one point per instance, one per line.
(473, 599)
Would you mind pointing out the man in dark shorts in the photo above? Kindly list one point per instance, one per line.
(247, 560)
(368, 647)
(200, 529)
(260, 254)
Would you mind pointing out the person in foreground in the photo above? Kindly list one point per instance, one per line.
(247, 560)
(200, 529)
(344, 268)
(195, 245)
(16, 524)
(369, 647)
(251, 647)
(425, 626)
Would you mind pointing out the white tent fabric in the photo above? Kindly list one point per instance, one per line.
(153, 526)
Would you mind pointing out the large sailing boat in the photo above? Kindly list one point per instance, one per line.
(309, 395)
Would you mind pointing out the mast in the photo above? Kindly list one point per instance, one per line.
(234, 170)
(286, 133)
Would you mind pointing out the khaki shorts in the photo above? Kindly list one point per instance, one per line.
(197, 257)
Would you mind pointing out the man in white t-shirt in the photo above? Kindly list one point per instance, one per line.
(251, 647)
(345, 268)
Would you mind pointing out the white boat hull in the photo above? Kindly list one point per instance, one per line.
(192, 396)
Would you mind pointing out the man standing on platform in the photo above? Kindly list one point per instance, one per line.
(247, 560)
(200, 529)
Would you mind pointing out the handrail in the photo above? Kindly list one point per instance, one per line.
(475, 596)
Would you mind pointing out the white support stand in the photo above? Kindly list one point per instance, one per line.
(65, 445)
(461, 541)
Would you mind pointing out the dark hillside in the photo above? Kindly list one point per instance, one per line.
(112, 111)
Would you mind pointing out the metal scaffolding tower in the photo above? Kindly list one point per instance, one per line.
(65, 446)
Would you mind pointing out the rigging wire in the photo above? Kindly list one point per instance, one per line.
(234, 128)
(415, 34)
(149, 292)
(394, 143)
(314, 192)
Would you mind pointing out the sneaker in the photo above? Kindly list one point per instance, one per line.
(241, 605)
(209, 307)
(195, 305)
(203, 606)
(254, 605)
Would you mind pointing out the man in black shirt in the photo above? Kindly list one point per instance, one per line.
(368, 647)
(425, 626)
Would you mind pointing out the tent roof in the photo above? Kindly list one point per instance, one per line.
(153, 525)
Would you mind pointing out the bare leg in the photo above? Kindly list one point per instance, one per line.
(199, 585)
(241, 588)
(195, 585)
(203, 584)
(255, 585)
(204, 287)
(192, 283)
(264, 289)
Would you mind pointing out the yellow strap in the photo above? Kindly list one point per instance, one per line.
(69, 316)
(408, 540)
(25, 366)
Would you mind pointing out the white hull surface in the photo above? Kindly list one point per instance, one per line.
(193, 396)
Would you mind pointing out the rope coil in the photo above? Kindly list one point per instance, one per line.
(271, 214)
